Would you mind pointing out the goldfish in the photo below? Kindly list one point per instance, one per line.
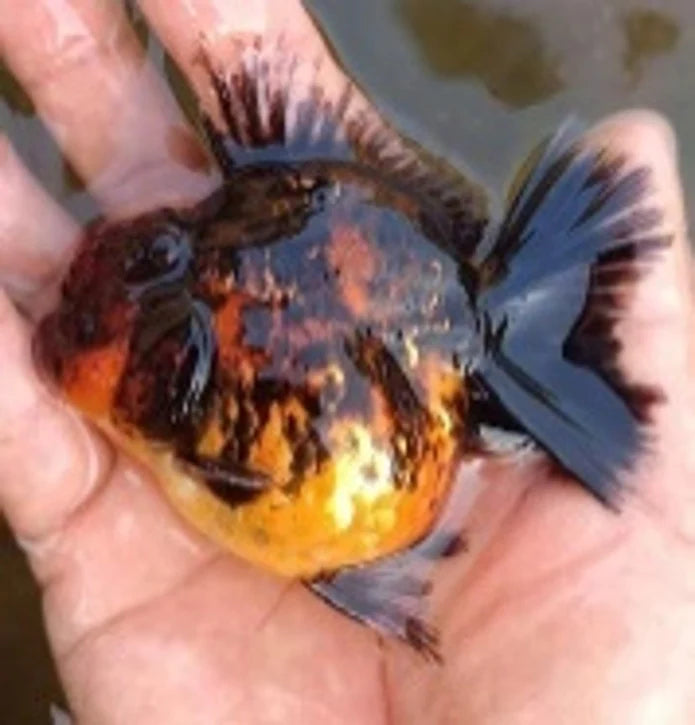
(307, 357)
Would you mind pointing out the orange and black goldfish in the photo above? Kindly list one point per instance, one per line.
(307, 357)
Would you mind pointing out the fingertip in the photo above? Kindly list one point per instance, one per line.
(640, 128)
(646, 138)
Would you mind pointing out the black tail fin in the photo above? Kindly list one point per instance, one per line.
(551, 289)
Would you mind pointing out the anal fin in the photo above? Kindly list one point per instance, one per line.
(388, 595)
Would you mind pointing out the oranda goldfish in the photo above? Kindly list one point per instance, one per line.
(305, 358)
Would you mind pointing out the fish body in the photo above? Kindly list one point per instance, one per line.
(305, 359)
(284, 354)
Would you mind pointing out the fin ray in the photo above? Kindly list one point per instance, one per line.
(265, 121)
(385, 595)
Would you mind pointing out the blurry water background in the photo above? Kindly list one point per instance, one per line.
(478, 81)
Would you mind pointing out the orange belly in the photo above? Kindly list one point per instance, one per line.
(351, 510)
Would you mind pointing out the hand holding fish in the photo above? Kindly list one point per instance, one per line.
(310, 352)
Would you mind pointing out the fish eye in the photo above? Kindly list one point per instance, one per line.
(167, 246)
(323, 195)
(319, 196)
(164, 258)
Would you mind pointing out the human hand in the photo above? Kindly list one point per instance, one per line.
(560, 611)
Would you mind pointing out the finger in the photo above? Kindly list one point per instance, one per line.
(50, 462)
(36, 235)
(224, 30)
(88, 77)
(226, 652)
(664, 294)
(657, 330)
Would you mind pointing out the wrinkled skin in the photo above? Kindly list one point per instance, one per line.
(561, 612)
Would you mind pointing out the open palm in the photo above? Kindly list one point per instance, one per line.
(561, 611)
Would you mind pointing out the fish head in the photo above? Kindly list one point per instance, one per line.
(82, 346)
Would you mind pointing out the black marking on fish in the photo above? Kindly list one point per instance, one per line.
(410, 417)
(229, 481)
(166, 386)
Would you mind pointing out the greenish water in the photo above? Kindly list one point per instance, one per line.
(479, 82)
(482, 81)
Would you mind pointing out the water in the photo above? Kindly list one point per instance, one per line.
(479, 82)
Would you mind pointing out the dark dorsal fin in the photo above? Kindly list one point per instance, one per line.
(269, 114)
